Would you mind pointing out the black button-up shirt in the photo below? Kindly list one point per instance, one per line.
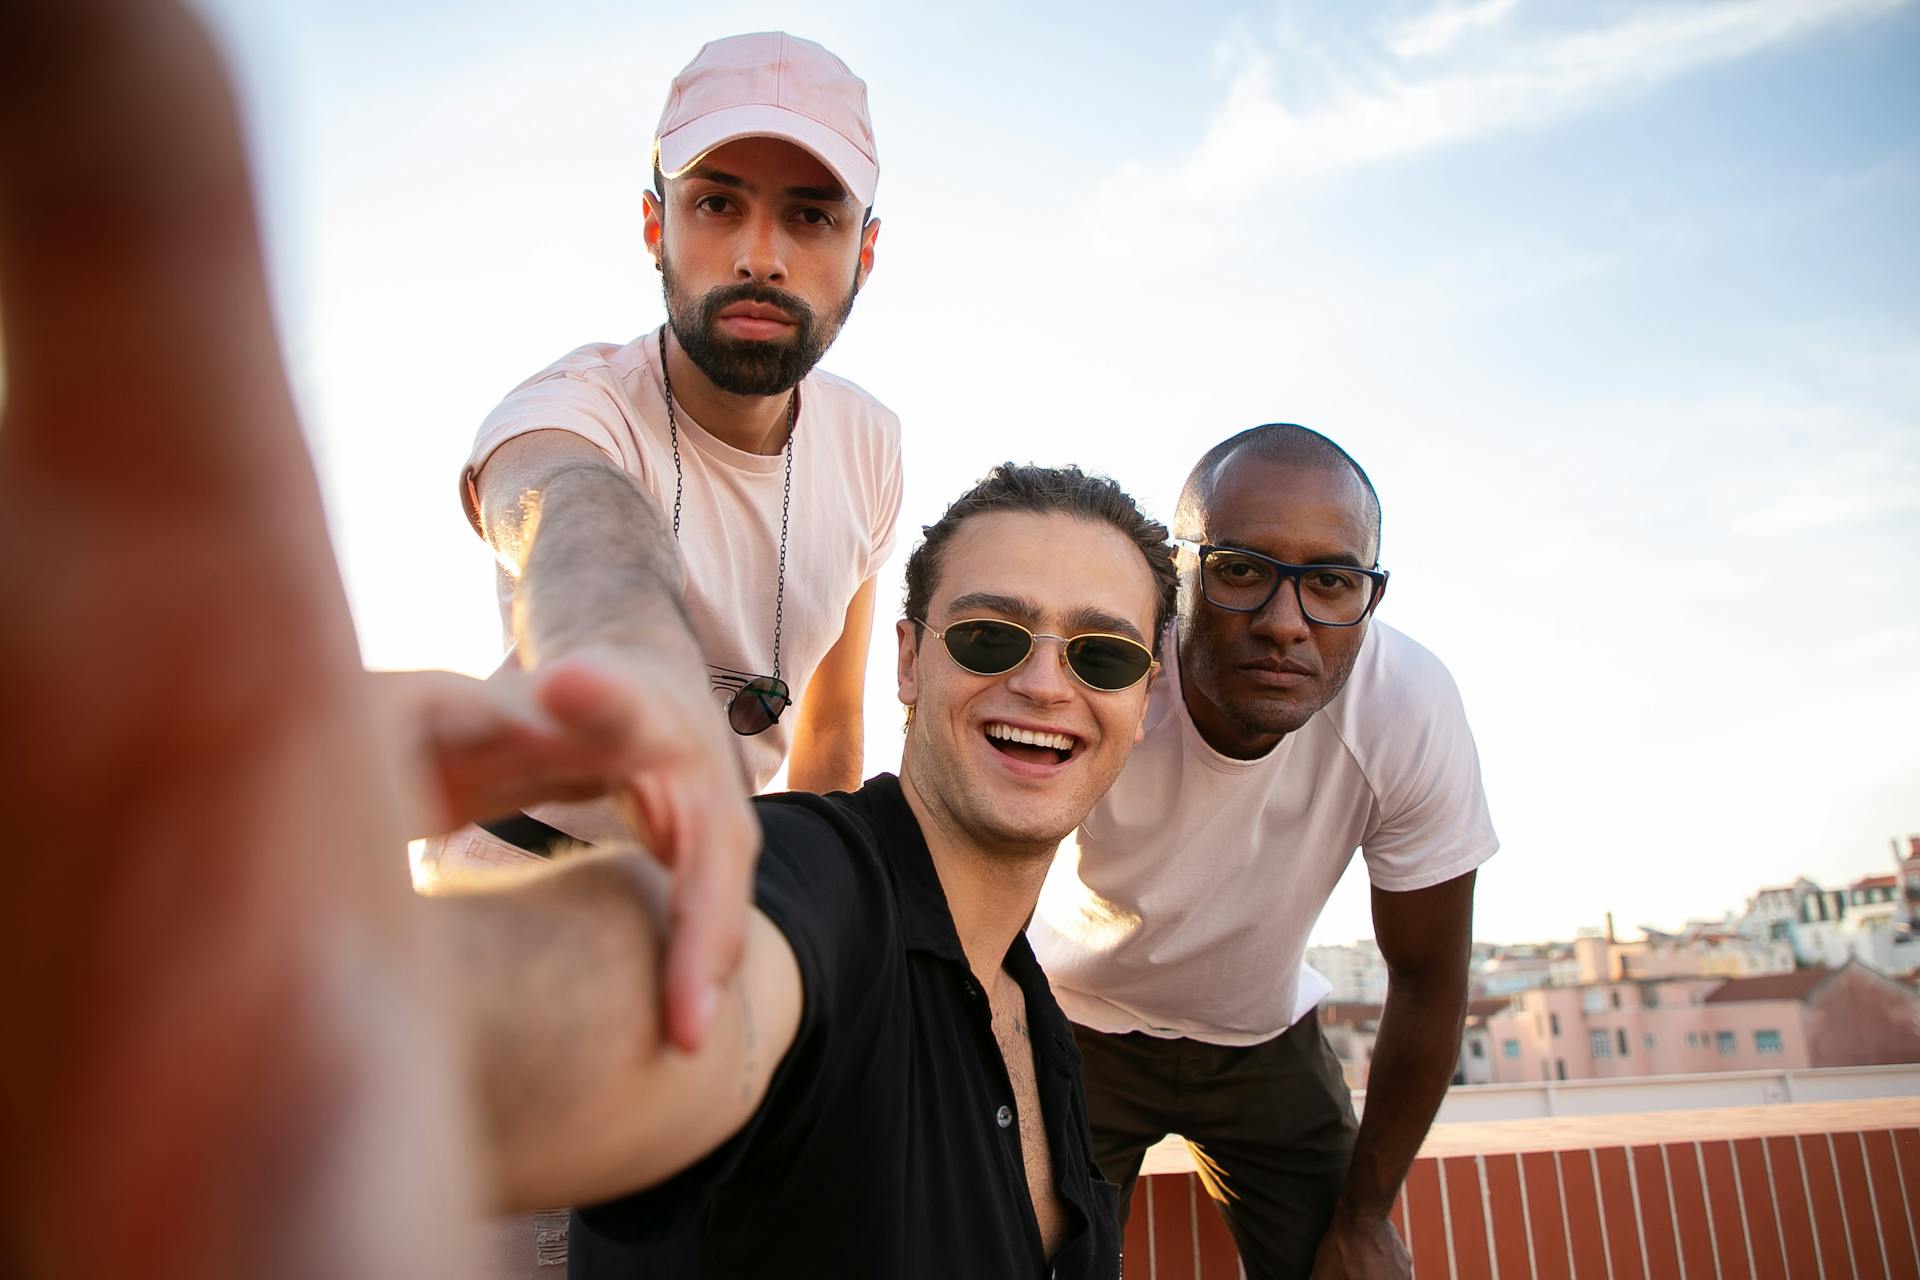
(887, 1145)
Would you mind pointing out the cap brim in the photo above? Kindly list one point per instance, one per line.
(682, 149)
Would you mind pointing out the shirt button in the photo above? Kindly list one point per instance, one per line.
(1003, 1117)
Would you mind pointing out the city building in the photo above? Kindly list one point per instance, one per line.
(1504, 971)
(1476, 1041)
(1814, 1017)
(1350, 1028)
(1356, 971)
(1906, 858)
(1871, 920)
(1701, 950)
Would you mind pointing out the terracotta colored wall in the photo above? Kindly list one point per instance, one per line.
(1838, 1205)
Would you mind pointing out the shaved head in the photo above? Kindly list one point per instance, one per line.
(1282, 443)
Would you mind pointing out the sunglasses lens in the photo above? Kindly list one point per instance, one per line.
(757, 705)
(988, 648)
(1108, 662)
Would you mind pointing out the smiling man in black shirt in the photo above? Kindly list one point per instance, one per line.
(890, 1090)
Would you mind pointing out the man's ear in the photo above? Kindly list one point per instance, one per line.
(651, 227)
(1140, 729)
(1382, 595)
(868, 234)
(907, 670)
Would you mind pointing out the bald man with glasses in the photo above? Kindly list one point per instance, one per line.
(1291, 729)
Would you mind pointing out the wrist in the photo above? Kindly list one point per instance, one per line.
(1362, 1215)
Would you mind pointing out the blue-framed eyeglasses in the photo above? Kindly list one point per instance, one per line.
(1242, 581)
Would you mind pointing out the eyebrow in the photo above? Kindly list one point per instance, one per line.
(718, 177)
(824, 195)
(834, 194)
(1079, 621)
(1344, 559)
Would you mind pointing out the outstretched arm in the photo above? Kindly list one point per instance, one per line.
(1425, 936)
(554, 973)
(581, 1100)
(597, 576)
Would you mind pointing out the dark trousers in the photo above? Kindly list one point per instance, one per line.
(1271, 1127)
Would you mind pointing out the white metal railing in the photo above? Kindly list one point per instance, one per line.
(1471, 1103)
(1476, 1103)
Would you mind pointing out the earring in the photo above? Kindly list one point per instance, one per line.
(909, 724)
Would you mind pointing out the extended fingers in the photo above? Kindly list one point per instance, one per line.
(598, 708)
(712, 893)
(686, 802)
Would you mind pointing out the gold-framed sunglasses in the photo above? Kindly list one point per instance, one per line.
(994, 646)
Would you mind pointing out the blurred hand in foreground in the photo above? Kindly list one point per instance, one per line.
(225, 1027)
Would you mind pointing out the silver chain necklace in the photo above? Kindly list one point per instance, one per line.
(786, 493)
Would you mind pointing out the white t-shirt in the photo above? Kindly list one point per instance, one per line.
(840, 528)
(1182, 905)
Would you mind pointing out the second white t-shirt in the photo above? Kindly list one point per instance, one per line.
(1183, 904)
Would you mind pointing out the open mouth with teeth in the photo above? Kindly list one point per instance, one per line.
(1031, 745)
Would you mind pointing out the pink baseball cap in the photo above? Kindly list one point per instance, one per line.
(770, 85)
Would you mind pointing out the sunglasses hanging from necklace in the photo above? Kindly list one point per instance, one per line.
(754, 703)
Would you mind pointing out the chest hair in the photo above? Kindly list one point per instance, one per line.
(1016, 1048)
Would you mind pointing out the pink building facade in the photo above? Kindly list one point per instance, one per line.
(1851, 1016)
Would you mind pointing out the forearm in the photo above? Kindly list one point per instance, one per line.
(597, 566)
(555, 979)
(1413, 1063)
(580, 1096)
(827, 757)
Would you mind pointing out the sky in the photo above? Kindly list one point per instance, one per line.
(1616, 303)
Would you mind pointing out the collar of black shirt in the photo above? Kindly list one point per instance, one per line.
(927, 925)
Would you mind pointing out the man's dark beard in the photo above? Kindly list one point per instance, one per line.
(744, 366)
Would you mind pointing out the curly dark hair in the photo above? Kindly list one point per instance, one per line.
(1046, 491)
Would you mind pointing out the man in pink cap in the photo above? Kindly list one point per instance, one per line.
(703, 491)
(702, 507)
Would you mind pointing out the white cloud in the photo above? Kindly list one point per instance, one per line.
(1387, 108)
(1438, 30)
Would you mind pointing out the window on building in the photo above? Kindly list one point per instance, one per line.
(1559, 1068)
(1646, 1042)
(1602, 1046)
(1475, 1048)
(1616, 998)
(1553, 1020)
(1723, 1041)
(1620, 1039)
(1693, 1039)
(1650, 997)
(1767, 1042)
(1511, 1048)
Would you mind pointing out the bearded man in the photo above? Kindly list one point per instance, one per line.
(711, 509)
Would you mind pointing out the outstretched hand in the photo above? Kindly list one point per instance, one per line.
(684, 799)
(489, 747)
(604, 721)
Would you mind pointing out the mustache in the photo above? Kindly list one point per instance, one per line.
(726, 295)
